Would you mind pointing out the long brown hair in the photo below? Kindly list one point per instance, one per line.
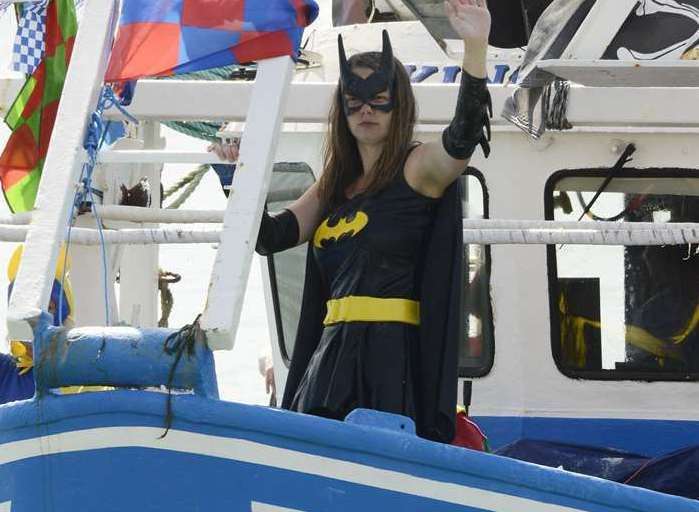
(342, 164)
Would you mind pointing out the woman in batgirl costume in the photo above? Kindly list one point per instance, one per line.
(379, 322)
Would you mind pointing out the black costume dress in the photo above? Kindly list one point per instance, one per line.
(393, 244)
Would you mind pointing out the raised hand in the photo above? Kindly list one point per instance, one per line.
(469, 18)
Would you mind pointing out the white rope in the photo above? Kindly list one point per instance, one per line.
(582, 236)
(16, 219)
(663, 234)
(164, 216)
(495, 231)
(136, 214)
(554, 224)
(85, 236)
(13, 233)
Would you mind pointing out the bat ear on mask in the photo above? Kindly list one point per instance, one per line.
(386, 68)
(387, 62)
(345, 70)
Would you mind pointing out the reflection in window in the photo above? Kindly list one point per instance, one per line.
(626, 311)
(476, 347)
(287, 269)
(349, 12)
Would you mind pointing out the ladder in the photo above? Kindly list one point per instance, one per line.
(47, 228)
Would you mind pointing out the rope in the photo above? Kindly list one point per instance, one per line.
(663, 236)
(200, 130)
(634, 204)
(624, 159)
(176, 344)
(165, 279)
(548, 232)
(184, 181)
(94, 139)
(190, 182)
(557, 107)
(576, 226)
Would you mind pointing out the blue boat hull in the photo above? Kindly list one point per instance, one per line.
(104, 451)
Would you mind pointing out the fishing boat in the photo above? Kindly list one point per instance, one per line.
(579, 355)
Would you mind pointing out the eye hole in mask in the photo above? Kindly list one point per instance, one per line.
(355, 104)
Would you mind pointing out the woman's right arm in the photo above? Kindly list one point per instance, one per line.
(307, 209)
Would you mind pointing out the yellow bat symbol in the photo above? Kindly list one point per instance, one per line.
(345, 226)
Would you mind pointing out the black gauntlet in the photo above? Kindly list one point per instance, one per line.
(473, 112)
(278, 232)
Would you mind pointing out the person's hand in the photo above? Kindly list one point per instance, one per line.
(469, 18)
(226, 151)
(266, 367)
(271, 386)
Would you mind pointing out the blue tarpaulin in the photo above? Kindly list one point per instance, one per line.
(674, 473)
(14, 386)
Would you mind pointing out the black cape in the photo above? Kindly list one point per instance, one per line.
(436, 356)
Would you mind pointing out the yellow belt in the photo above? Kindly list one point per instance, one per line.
(372, 309)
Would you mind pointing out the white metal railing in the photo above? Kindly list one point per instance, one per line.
(155, 156)
(602, 109)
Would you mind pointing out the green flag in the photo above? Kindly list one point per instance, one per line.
(33, 114)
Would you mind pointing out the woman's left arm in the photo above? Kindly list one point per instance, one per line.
(433, 166)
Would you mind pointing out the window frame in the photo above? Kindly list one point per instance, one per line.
(278, 324)
(474, 372)
(552, 272)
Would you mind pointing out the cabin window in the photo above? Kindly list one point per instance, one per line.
(625, 312)
(288, 268)
(476, 349)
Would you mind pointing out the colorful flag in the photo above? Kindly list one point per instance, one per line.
(166, 37)
(32, 115)
(29, 46)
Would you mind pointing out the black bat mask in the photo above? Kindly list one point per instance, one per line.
(366, 89)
